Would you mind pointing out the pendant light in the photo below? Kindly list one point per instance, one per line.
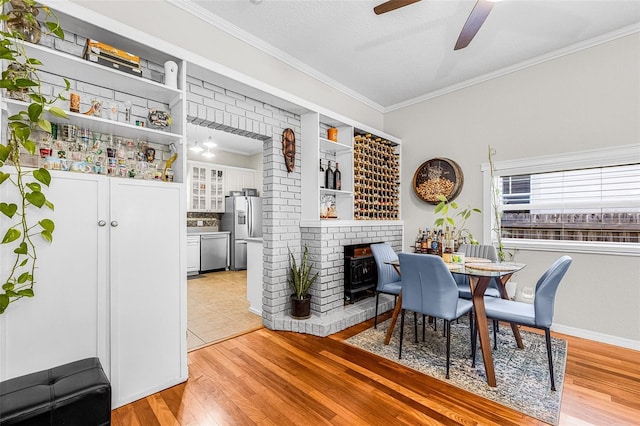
(196, 148)
(209, 143)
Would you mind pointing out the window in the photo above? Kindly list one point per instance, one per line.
(585, 199)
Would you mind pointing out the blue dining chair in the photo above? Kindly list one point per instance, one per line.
(537, 315)
(485, 251)
(428, 288)
(388, 277)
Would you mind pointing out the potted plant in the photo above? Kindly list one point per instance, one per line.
(497, 212)
(25, 185)
(456, 220)
(300, 280)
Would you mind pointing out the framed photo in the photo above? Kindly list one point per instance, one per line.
(438, 176)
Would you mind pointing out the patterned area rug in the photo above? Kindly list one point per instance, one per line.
(522, 375)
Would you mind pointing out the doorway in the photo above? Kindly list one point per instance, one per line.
(217, 306)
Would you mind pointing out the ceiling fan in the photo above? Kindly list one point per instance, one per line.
(471, 27)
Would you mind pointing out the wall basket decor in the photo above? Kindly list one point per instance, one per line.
(438, 176)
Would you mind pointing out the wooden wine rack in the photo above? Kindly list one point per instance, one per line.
(376, 174)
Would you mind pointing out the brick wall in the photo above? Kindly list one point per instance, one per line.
(213, 106)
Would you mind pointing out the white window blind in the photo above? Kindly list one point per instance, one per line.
(589, 204)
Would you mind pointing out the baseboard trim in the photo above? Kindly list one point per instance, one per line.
(598, 337)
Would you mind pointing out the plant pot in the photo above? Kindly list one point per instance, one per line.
(22, 20)
(301, 308)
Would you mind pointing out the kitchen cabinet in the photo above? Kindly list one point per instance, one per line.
(238, 178)
(193, 254)
(206, 186)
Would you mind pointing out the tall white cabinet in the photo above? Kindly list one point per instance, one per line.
(113, 283)
(148, 337)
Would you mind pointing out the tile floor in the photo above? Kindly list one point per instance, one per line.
(218, 308)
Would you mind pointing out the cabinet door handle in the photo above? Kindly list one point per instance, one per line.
(114, 223)
(102, 223)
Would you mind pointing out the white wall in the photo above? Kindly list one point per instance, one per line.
(586, 100)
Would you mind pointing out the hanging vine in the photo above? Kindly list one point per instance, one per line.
(24, 185)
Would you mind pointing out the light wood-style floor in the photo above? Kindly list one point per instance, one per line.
(281, 378)
(217, 308)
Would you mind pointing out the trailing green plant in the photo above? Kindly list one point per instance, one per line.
(24, 185)
(300, 279)
(448, 211)
(497, 212)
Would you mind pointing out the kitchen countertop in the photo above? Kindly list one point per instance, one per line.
(205, 230)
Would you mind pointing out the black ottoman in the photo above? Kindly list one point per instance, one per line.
(77, 393)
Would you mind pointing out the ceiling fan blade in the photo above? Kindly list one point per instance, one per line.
(474, 22)
(390, 5)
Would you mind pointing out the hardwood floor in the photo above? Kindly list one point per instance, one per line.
(280, 378)
(217, 308)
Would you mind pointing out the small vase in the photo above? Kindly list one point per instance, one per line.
(22, 20)
(14, 72)
(301, 308)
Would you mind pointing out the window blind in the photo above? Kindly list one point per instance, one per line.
(590, 204)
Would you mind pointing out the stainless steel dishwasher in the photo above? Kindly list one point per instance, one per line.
(214, 251)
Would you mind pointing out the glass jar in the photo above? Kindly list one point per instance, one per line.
(22, 20)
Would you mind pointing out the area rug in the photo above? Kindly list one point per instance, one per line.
(522, 375)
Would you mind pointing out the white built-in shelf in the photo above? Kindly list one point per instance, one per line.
(103, 125)
(335, 192)
(73, 67)
(327, 145)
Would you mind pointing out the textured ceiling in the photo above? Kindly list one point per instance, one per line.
(406, 55)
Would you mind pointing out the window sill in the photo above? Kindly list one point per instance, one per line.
(572, 247)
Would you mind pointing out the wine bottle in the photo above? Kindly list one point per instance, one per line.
(338, 178)
(329, 181)
(321, 177)
(418, 242)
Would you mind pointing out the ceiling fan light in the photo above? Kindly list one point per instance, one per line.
(196, 148)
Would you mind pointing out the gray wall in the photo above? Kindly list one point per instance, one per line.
(586, 100)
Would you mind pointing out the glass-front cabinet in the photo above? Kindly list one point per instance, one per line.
(206, 188)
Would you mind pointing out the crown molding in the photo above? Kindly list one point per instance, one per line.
(623, 32)
(233, 30)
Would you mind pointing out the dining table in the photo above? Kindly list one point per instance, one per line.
(480, 272)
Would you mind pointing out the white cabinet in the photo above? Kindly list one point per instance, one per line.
(193, 254)
(238, 178)
(112, 284)
(68, 318)
(147, 229)
(206, 186)
(314, 131)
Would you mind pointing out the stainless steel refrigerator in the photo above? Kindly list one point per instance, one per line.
(243, 218)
